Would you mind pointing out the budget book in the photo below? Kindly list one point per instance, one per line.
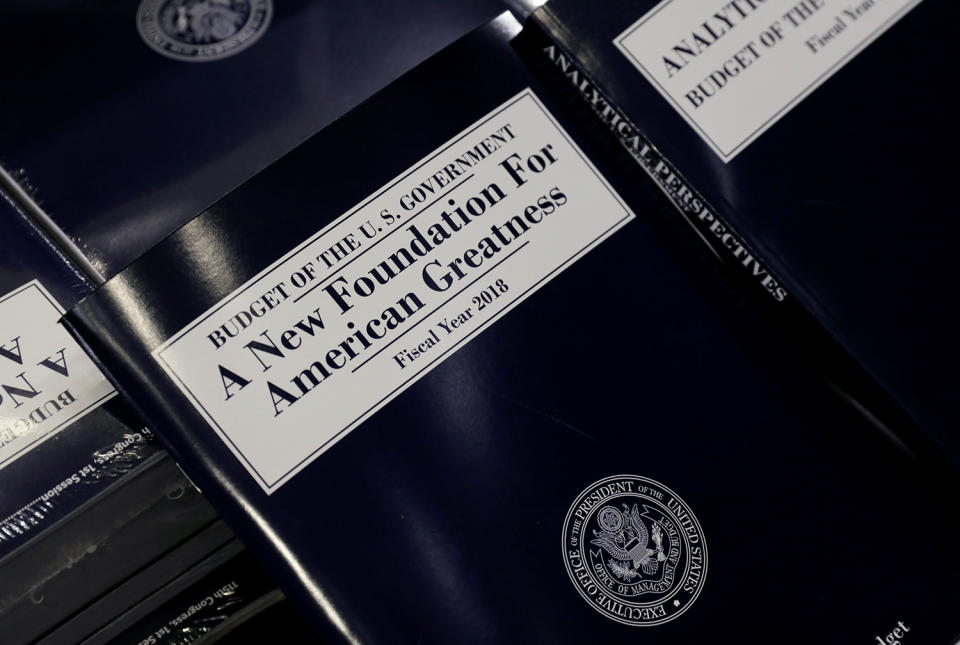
(809, 142)
(454, 370)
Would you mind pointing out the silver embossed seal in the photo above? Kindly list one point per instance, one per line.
(634, 550)
(202, 30)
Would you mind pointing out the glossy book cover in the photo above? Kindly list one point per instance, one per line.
(451, 370)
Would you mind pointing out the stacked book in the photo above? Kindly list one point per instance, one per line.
(622, 322)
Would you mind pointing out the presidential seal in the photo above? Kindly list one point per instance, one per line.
(634, 550)
(202, 30)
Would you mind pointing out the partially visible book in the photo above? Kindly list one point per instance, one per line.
(64, 437)
(132, 116)
(220, 600)
(453, 369)
(809, 143)
(87, 496)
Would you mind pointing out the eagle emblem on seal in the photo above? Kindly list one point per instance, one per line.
(202, 30)
(624, 536)
(207, 21)
(634, 550)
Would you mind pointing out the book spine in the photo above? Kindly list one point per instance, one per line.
(58, 241)
(722, 240)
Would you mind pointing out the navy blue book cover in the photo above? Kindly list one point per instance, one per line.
(64, 435)
(125, 118)
(809, 141)
(448, 371)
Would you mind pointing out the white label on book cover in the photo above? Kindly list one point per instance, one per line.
(732, 69)
(46, 380)
(304, 352)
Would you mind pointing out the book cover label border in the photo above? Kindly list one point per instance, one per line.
(733, 69)
(305, 351)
